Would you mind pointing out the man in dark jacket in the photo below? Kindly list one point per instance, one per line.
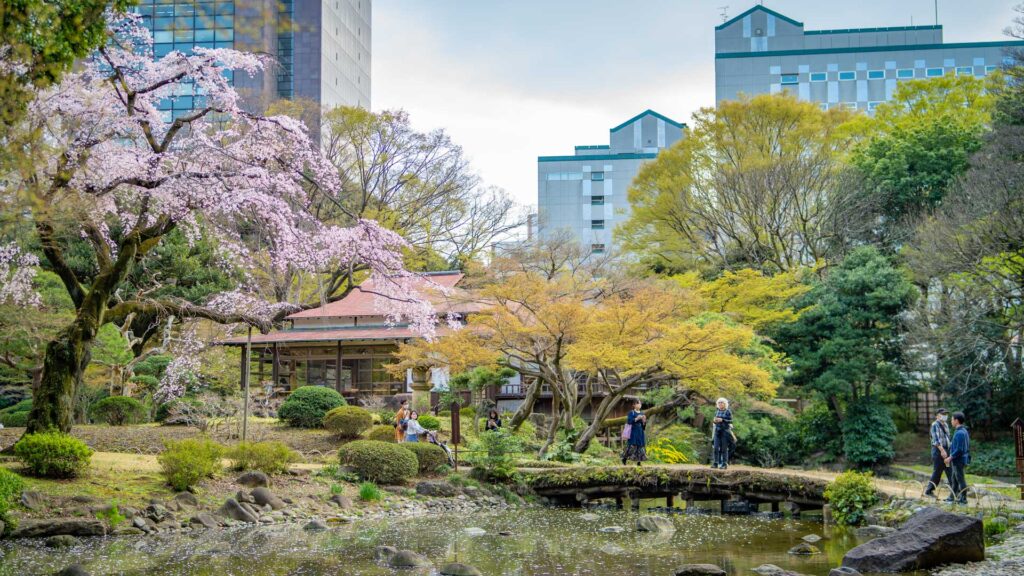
(958, 459)
(939, 435)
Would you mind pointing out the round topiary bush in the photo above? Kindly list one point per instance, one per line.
(381, 462)
(430, 456)
(382, 433)
(348, 421)
(53, 454)
(118, 411)
(307, 406)
(430, 422)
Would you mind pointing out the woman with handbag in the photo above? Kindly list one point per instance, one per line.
(722, 434)
(633, 433)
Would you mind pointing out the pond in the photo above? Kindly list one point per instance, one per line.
(541, 542)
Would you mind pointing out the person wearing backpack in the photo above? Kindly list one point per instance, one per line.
(721, 434)
(958, 459)
(633, 433)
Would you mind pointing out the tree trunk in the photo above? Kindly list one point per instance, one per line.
(526, 408)
(66, 357)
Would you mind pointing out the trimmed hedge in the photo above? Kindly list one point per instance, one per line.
(381, 462)
(306, 406)
(430, 422)
(270, 457)
(53, 454)
(348, 421)
(431, 457)
(118, 411)
(16, 416)
(11, 486)
(185, 462)
(382, 433)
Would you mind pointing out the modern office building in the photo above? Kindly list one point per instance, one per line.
(764, 52)
(586, 193)
(322, 46)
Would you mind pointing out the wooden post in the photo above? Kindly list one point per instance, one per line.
(1018, 437)
(775, 506)
(670, 501)
(337, 370)
(456, 431)
(618, 501)
(275, 367)
(247, 361)
(634, 501)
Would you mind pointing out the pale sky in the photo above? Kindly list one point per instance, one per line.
(510, 80)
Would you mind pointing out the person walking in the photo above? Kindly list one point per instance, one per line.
(722, 434)
(493, 421)
(413, 429)
(939, 434)
(636, 446)
(958, 459)
(400, 417)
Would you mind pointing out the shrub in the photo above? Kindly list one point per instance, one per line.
(431, 457)
(662, 450)
(381, 433)
(270, 457)
(993, 458)
(385, 417)
(53, 454)
(307, 406)
(851, 495)
(369, 492)
(383, 462)
(112, 515)
(994, 528)
(430, 422)
(675, 445)
(348, 421)
(185, 462)
(467, 413)
(868, 433)
(11, 486)
(493, 455)
(16, 415)
(118, 410)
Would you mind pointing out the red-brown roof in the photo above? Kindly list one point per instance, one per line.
(333, 335)
(363, 301)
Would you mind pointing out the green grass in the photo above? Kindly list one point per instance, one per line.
(369, 492)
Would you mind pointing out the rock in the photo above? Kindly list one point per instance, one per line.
(250, 509)
(459, 569)
(475, 531)
(384, 553)
(156, 512)
(58, 526)
(804, 549)
(265, 497)
(929, 538)
(316, 524)
(244, 498)
(611, 529)
(811, 538)
(654, 524)
(233, 510)
(407, 559)
(699, 570)
(254, 479)
(205, 520)
(873, 531)
(186, 499)
(590, 517)
(62, 541)
(768, 570)
(73, 570)
(341, 501)
(140, 523)
(844, 571)
(32, 500)
(443, 489)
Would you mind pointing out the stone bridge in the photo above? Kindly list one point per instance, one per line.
(740, 490)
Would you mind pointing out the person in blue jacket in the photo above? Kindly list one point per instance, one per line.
(721, 438)
(958, 459)
(636, 448)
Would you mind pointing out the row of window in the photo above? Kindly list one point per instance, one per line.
(189, 8)
(556, 176)
(902, 73)
(869, 106)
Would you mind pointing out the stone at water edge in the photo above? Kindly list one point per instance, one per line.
(431, 488)
(205, 520)
(384, 553)
(844, 571)
(699, 570)
(186, 499)
(73, 570)
(930, 538)
(768, 570)
(654, 524)
(341, 501)
(57, 526)
(611, 529)
(62, 541)
(473, 531)
(804, 549)
(590, 517)
(263, 497)
(407, 559)
(254, 479)
(612, 549)
(316, 524)
(459, 569)
(811, 538)
(233, 510)
(872, 531)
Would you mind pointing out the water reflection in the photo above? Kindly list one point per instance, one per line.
(542, 542)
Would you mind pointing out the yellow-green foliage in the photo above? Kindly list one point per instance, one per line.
(382, 462)
(11, 486)
(662, 450)
(431, 458)
(269, 457)
(184, 463)
(53, 454)
(381, 433)
(348, 421)
(851, 495)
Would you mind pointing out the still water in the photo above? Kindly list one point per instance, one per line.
(542, 542)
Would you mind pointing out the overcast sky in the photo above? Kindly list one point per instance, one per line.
(511, 80)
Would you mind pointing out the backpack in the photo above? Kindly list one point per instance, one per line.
(404, 424)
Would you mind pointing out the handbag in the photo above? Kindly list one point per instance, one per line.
(627, 431)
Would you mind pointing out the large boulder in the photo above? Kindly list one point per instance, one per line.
(73, 570)
(254, 479)
(432, 488)
(459, 569)
(930, 538)
(804, 549)
(699, 570)
(844, 571)
(873, 531)
(232, 509)
(654, 524)
(263, 497)
(59, 526)
(407, 559)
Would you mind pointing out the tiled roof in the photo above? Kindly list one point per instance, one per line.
(362, 301)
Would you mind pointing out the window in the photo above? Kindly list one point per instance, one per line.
(819, 76)
(597, 224)
(597, 248)
(964, 70)
(872, 106)
(876, 74)
(565, 176)
(904, 73)
(934, 72)
(850, 105)
(790, 79)
(597, 176)
(847, 75)
(597, 200)
(990, 69)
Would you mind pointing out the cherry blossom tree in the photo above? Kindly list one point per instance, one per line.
(112, 171)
